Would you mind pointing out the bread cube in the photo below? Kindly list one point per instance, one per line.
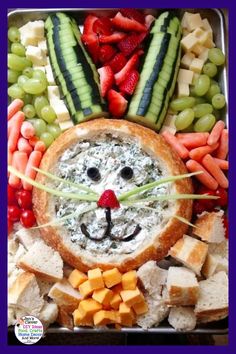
(115, 301)
(112, 277)
(140, 308)
(103, 296)
(194, 21)
(81, 320)
(95, 278)
(76, 278)
(129, 280)
(188, 42)
(213, 264)
(182, 287)
(131, 297)
(187, 59)
(103, 318)
(88, 307)
(210, 227)
(197, 65)
(185, 76)
(85, 288)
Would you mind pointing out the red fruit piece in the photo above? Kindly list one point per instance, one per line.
(118, 62)
(13, 213)
(88, 24)
(27, 218)
(133, 14)
(11, 195)
(113, 38)
(198, 208)
(207, 204)
(123, 73)
(117, 103)
(126, 24)
(129, 84)
(131, 42)
(226, 226)
(106, 53)
(222, 193)
(108, 200)
(106, 79)
(103, 25)
(92, 44)
(24, 199)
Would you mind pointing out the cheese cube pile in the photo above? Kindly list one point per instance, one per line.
(109, 297)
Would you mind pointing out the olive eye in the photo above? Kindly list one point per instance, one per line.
(127, 172)
(93, 173)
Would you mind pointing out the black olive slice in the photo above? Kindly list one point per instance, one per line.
(93, 173)
(127, 172)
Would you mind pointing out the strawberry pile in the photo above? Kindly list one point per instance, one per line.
(116, 45)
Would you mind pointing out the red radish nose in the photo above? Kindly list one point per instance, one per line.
(108, 200)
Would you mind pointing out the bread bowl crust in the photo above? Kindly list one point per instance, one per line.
(153, 144)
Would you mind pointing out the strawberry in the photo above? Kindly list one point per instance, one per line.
(123, 73)
(108, 200)
(88, 24)
(133, 14)
(102, 26)
(131, 42)
(118, 62)
(149, 19)
(106, 53)
(226, 226)
(113, 38)
(106, 79)
(92, 44)
(117, 103)
(129, 84)
(126, 24)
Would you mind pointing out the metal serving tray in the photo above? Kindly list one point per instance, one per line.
(19, 17)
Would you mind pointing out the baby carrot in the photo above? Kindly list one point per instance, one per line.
(27, 130)
(40, 146)
(223, 164)
(34, 161)
(19, 161)
(14, 132)
(216, 133)
(198, 153)
(23, 145)
(193, 140)
(222, 151)
(205, 178)
(175, 144)
(33, 141)
(209, 163)
(14, 107)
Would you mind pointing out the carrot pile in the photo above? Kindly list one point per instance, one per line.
(205, 152)
(24, 148)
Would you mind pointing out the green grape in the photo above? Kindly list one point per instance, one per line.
(192, 91)
(27, 98)
(40, 102)
(34, 86)
(210, 69)
(48, 114)
(39, 74)
(54, 130)
(17, 63)
(213, 90)
(12, 76)
(21, 80)
(214, 82)
(18, 49)
(39, 126)
(216, 56)
(13, 34)
(202, 109)
(28, 72)
(29, 111)
(202, 85)
(179, 104)
(199, 100)
(189, 129)
(218, 101)
(15, 91)
(47, 138)
(205, 123)
(184, 119)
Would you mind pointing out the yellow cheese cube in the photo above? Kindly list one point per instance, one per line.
(204, 54)
(95, 278)
(76, 278)
(209, 43)
(111, 277)
(115, 301)
(198, 49)
(140, 308)
(188, 42)
(80, 320)
(102, 318)
(182, 89)
(185, 76)
(88, 307)
(131, 297)
(194, 21)
(85, 288)
(117, 288)
(185, 32)
(126, 315)
(103, 296)
(184, 21)
(201, 35)
(206, 25)
(197, 65)
(129, 280)
(187, 59)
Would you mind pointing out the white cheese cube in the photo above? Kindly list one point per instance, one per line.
(198, 49)
(185, 76)
(53, 93)
(37, 67)
(206, 25)
(187, 59)
(194, 21)
(182, 89)
(195, 78)
(36, 55)
(26, 35)
(49, 75)
(42, 44)
(170, 120)
(188, 42)
(60, 109)
(204, 54)
(197, 65)
(165, 128)
(37, 28)
(184, 22)
(66, 125)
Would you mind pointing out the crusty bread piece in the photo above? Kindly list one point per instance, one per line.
(48, 314)
(11, 319)
(210, 227)
(182, 287)
(220, 249)
(182, 318)
(44, 286)
(43, 261)
(213, 264)
(191, 252)
(64, 318)
(27, 237)
(65, 295)
(212, 303)
(152, 277)
(25, 294)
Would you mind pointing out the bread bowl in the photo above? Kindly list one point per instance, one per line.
(113, 144)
